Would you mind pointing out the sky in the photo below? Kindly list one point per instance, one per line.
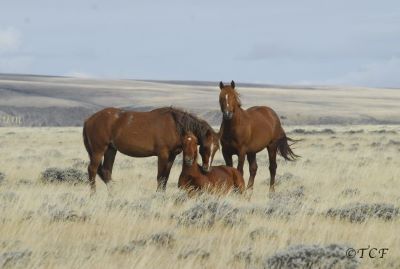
(303, 42)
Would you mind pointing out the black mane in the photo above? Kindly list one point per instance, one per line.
(187, 122)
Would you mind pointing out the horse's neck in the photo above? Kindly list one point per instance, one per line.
(192, 170)
(237, 118)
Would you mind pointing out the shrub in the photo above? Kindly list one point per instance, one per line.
(311, 256)
(129, 247)
(350, 192)
(360, 212)
(68, 215)
(11, 259)
(263, 232)
(196, 253)
(303, 131)
(163, 239)
(285, 204)
(59, 175)
(207, 213)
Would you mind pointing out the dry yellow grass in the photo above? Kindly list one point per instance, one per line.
(99, 230)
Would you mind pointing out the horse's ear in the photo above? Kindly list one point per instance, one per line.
(232, 84)
(221, 85)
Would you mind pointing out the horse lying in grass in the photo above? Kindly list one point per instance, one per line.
(220, 179)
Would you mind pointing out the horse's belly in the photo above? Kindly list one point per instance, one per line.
(134, 152)
(257, 146)
(134, 148)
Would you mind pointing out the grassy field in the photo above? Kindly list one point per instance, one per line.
(342, 170)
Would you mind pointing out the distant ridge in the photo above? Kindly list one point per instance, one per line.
(240, 84)
(35, 100)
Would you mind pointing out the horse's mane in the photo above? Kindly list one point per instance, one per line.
(237, 97)
(187, 122)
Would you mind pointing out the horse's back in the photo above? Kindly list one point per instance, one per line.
(134, 133)
(263, 112)
(264, 122)
(143, 134)
(99, 125)
(222, 174)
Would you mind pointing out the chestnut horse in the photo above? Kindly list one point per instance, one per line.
(220, 179)
(142, 134)
(247, 132)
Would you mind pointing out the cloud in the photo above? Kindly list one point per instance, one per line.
(10, 40)
(15, 64)
(378, 74)
(78, 74)
(12, 60)
(329, 48)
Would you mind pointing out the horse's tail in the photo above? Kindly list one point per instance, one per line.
(284, 148)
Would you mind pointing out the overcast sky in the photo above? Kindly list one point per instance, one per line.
(345, 42)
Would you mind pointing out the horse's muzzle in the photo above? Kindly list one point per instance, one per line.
(206, 168)
(227, 115)
(188, 161)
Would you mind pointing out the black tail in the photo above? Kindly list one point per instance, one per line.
(285, 150)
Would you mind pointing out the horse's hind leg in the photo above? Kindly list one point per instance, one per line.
(105, 170)
(95, 161)
(272, 151)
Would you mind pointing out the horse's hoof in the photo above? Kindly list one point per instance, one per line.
(271, 193)
(272, 189)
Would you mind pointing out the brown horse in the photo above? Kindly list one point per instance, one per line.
(247, 132)
(220, 179)
(142, 134)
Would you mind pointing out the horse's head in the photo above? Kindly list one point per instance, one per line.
(189, 148)
(228, 100)
(208, 148)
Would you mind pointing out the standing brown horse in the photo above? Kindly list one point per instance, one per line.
(142, 134)
(247, 132)
(220, 179)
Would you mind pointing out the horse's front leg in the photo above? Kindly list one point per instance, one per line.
(165, 162)
(227, 157)
(161, 171)
(241, 159)
(170, 162)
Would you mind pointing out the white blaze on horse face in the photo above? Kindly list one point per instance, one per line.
(226, 97)
(130, 119)
(212, 145)
(189, 139)
(212, 148)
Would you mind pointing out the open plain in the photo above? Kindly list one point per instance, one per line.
(323, 198)
(342, 193)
